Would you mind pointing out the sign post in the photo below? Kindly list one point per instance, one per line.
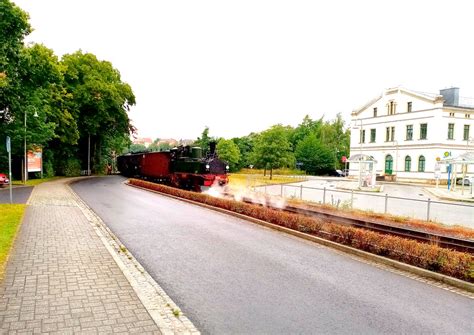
(9, 147)
(344, 160)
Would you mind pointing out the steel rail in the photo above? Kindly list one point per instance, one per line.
(451, 242)
(444, 241)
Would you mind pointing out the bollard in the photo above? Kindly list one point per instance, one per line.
(352, 198)
(428, 210)
(386, 202)
(301, 192)
(265, 189)
(281, 190)
(324, 195)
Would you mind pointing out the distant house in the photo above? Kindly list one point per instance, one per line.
(171, 141)
(408, 133)
(186, 142)
(146, 141)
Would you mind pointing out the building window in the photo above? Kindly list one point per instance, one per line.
(468, 116)
(389, 134)
(375, 111)
(362, 136)
(372, 135)
(450, 131)
(421, 164)
(423, 131)
(409, 106)
(409, 135)
(391, 108)
(407, 164)
(451, 114)
(465, 136)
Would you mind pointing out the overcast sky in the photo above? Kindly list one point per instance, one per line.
(242, 66)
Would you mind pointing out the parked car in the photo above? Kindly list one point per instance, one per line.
(467, 181)
(335, 173)
(4, 181)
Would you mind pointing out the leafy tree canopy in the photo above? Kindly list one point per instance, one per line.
(272, 149)
(228, 151)
(316, 158)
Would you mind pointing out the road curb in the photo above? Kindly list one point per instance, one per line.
(158, 304)
(346, 249)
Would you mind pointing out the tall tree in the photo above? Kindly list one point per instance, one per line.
(315, 156)
(245, 145)
(100, 104)
(272, 149)
(228, 151)
(204, 140)
(336, 138)
(306, 127)
(14, 27)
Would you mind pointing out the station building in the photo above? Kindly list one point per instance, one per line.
(409, 133)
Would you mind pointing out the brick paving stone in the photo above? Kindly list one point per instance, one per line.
(61, 279)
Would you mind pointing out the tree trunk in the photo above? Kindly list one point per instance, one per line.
(271, 173)
(264, 171)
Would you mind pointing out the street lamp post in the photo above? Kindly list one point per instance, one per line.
(26, 157)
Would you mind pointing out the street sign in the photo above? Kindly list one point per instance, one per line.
(9, 146)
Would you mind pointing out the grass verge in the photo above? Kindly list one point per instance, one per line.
(423, 255)
(237, 180)
(10, 218)
(34, 182)
(279, 172)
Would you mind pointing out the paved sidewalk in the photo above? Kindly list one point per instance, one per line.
(60, 277)
(455, 195)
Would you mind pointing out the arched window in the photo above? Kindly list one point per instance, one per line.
(421, 164)
(407, 164)
(388, 164)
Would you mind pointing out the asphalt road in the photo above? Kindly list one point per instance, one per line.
(20, 194)
(231, 276)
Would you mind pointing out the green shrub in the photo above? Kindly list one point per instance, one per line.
(71, 167)
(48, 169)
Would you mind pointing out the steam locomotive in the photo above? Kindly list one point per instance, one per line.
(184, 167)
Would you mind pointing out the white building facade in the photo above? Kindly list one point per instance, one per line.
(408, 133)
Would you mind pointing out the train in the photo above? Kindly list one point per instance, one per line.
(183, 167)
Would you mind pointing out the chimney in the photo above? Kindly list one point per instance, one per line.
(451, 96)
(212, 147)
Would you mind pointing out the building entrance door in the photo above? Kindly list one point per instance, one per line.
(388, 164)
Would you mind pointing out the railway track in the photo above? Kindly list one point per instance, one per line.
(444, 241)
(451, 242)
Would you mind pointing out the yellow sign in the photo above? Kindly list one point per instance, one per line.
(438, 159)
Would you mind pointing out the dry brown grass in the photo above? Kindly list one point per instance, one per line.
(401, 221)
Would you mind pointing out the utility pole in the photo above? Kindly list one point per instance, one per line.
(89, 155)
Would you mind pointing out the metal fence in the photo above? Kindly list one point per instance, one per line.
(444, 212)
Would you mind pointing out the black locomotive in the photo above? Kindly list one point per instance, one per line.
(183, 167)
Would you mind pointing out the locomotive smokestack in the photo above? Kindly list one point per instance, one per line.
(212, 148)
